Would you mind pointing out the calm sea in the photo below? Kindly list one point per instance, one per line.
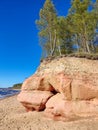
(5, 92)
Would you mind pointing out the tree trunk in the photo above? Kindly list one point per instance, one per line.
(59, 48)
(50, 39)
(54, 44)
(86, 38)
(87, 46)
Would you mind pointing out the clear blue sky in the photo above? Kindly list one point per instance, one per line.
(19, 45)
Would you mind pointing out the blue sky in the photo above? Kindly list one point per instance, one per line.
(19, 44)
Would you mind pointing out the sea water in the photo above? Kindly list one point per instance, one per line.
(5, 92)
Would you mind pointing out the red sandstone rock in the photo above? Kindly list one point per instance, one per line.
(84, 89)
(76, 88)
(34, 100)
(37, 82)
(85, 108)
(60, 109)
(62, 84)
(74, 79)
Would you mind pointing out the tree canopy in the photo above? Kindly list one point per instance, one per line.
(76, 32)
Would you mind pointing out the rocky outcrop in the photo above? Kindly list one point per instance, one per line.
(65, 88)
(34, 100)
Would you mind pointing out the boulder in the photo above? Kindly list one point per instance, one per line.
(34, 100)
(58, 108)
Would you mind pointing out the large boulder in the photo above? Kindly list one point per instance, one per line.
(34, 100)
(60, 109)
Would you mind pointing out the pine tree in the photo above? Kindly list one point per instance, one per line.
(47, 27)
(75, 32)
(65, 34)
(84, 24)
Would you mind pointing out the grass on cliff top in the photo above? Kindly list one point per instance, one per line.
(78, 55)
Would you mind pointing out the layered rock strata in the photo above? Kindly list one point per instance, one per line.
(65, 88)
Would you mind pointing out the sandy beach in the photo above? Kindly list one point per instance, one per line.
(14, 117)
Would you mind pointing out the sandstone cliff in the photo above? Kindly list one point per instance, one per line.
(65, 88)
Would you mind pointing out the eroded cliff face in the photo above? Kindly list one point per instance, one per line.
(65, 88)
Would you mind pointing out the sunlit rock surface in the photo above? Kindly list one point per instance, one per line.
(65, 88)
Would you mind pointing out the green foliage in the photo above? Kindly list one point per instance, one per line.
(47, 27)
(17, 86)
(84, 23)
(60, 35)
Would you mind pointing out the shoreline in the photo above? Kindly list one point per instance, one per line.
(8, 96)
(17, 91)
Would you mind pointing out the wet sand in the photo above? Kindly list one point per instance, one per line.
(14, 117)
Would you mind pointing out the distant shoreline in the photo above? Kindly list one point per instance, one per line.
(8, 96)
(6, 92)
